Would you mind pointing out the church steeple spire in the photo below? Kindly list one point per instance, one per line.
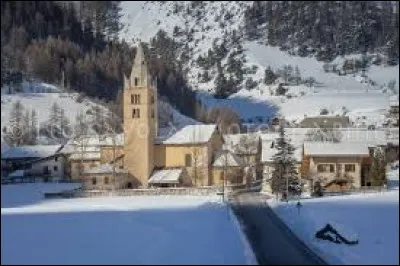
(140, 76)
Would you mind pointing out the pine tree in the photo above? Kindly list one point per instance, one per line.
(285, 170)
(64, 126)
(269, 77)
(26, 128)
(54, 121)
(80, 127)
(14, 134)
(33, 128)
(378, 169)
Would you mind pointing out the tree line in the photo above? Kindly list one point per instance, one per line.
(327, 29)
(75, 45)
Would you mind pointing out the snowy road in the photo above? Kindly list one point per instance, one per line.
(272, 242)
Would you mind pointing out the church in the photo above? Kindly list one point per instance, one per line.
(142, 158)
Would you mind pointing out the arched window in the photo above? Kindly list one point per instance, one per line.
(106, 180)
(94, 181)
(136, 81)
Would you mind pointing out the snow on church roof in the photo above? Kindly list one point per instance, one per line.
(190, 134)
(336, 149)
(166, 176)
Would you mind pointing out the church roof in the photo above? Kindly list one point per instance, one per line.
(190, 134)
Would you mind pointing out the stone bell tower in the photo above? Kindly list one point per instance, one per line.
(140, 121)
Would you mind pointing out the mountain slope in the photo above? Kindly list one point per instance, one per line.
(218, 28)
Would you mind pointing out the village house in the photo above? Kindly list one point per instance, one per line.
(337, 164)
(34, 161)
(346, 162)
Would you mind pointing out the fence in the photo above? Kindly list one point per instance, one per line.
(193, 191)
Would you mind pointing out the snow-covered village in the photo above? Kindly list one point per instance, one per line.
(198, 132)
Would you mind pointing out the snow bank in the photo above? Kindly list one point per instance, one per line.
(373, 219)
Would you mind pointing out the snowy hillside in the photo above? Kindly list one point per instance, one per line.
(41, 96)
(202, 27)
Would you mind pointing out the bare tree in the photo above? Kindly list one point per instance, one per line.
(324, 134)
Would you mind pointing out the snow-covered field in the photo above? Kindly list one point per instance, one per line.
(373, 219)
(120, 230)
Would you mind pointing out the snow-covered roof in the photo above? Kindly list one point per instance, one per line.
(226, 158)
(325, 121)
(190, 134)
(336, 149)
(232, 142)
(378, 137)
(31, 151)
(166, 176)
(269, 150)
(105, 169)
(98, 140)
(17, 173)
(86, 156)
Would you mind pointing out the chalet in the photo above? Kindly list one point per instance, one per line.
(337, 164)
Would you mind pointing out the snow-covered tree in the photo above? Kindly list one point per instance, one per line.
(323, 134)
(284, 163)
(14, 131)
(81, 127)
(33, 128)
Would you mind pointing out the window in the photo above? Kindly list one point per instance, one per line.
(136, 81)
(94, 181)
(135, 99)
(152, 113)
(55, 168)
(56, 158)
(106, 180)
(136, 113)
(326, 168)
(349, 168)
(188, 160)
(152, 99)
